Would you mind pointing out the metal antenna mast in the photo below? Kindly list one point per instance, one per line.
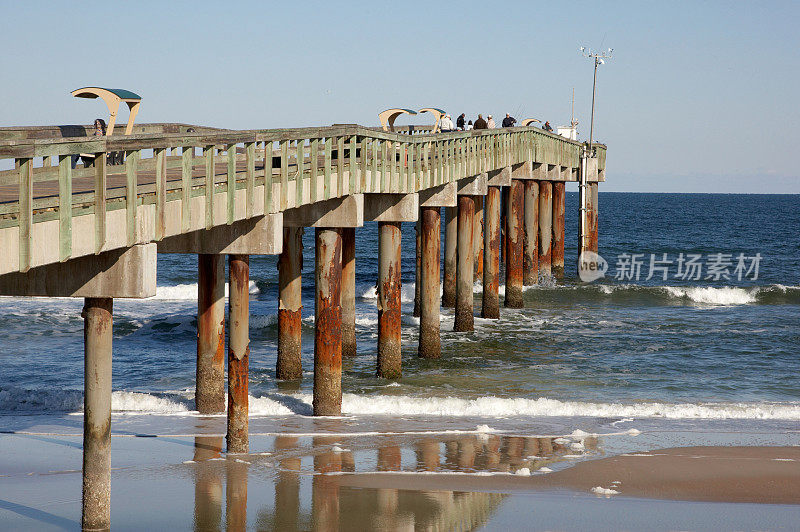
(598, 58)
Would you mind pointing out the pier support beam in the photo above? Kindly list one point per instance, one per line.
(238, 352)
(349, 292)
(545, 226)
(98, 316)
(389, 305)
(490, 302)
(530, 246)
(464, 320)
(477, 237)
(210, 373)
(450, 256)
(328, 322)
(290, 305)
(429, 340)
(514, 224)
(559, 200)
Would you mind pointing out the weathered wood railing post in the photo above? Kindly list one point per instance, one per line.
(389, 304)
(559, 199)
(97, 336)
(464, 319)
(290, 305)
(545, 227)
(514, 226)
(450, 256)
(210, 372)
(349, 292)
(429, 328)
(490, 301)
(328, 322)
(530, 247)
(238, 353)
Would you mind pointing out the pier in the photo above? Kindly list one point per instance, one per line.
(94, 231)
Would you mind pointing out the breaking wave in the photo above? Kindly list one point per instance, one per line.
(13, 400)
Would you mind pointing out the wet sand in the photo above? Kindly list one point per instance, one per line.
(768, 475)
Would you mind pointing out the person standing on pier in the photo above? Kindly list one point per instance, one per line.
(480, 123)
(460, 121)
(469, 125)
(509, 121)
(547, 126)
(490, 124)
(446, 124)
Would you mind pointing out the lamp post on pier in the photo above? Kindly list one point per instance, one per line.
(598, 58)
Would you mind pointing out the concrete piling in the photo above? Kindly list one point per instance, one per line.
(349, 292)
(450, 256)
(290, 304)
(327, 399)
(490, 301)
(530, 241)
(559, 200)
(389, 304)
(514, 225)
(97, 338)
(464, 320)
(210, 373)
(545, 226)
(477, 237)
(238, 352)
(429, 340)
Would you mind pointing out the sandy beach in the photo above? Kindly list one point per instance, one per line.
(768, 475)
(306, 474)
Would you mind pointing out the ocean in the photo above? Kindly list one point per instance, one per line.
(675, 349)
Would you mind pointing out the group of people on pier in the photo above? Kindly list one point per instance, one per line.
(462, 124)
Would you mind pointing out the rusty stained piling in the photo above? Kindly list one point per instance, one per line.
(477, 238)
(559, 199)
(210, 372)
(238, 352)
(429, 340)
(327, 399)
(530, 241)
(545, 226)
(418, 266)
(348, 292)
(490, 301)
(464, 320)
(514, 224)
(594, 231)
(389, 305)
(97, 338)
(450, 256)
(504, 222)
(290, 304)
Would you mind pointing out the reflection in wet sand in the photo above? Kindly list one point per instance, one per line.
(333, 506)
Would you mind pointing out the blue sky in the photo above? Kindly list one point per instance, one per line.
(699, 97)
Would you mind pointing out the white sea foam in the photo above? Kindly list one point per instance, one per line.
(189, 291)
(370, 291)
(724, 295)
(604, 491)
(20, 400)
(523, 472)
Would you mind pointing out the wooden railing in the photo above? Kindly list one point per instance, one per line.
(289, 168)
